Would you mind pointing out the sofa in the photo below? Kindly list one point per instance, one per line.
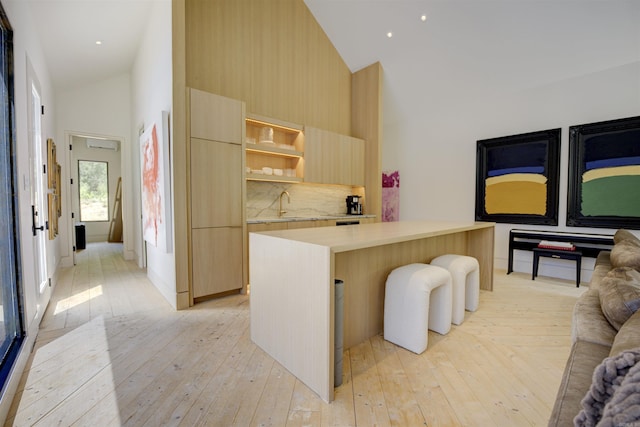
(605, 329)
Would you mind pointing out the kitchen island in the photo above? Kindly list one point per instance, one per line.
(292, 284)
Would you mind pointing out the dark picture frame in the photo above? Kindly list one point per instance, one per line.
(517, 178)
(604, 174)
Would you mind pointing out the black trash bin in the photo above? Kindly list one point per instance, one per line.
(81, 237)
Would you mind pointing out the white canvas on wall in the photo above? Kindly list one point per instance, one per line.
(156, 184)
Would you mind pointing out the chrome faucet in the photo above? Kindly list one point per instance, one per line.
(282, 212)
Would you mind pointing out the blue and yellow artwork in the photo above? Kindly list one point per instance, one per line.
(517, 178)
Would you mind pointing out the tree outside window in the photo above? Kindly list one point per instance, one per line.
(94, 190)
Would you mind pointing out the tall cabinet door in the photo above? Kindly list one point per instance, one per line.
(215, 186)
(217, 260)
(217, 193)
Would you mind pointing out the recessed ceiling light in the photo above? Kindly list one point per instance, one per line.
(423, 18)
(389, 34)
(98, 42)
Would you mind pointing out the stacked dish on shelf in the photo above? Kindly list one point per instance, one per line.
(266, 136)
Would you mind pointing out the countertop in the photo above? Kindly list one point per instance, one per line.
(306, 218)
(340, 239)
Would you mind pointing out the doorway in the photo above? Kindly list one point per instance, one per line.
(96, 189)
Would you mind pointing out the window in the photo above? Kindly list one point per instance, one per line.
(94, 190)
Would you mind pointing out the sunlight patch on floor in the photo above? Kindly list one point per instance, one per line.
(77, 299)
(76, 366)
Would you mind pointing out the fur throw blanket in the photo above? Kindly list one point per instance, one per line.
(614, 396)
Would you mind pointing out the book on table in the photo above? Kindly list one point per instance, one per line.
(561, 246)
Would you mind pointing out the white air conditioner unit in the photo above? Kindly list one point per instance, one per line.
(103, 144)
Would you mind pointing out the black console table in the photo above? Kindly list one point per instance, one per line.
(589, 245)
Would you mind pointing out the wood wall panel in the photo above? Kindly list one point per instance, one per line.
(366, 123)
(180, 149)
(272, 55)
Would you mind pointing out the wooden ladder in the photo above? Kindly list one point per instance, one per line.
(115, 228)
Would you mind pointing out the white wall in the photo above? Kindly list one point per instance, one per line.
(477, 69)
(26, 45)
(152, 94)
(101, 109)
(433, 144)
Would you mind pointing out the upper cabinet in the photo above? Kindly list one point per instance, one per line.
(274, 150)
(214, 118)
(332, 158)
(281, 151)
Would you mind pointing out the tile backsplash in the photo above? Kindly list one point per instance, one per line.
(307, 200)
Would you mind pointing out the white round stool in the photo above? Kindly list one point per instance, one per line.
(417, 297)
(465, 273)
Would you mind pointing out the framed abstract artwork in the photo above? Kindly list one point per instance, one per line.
(156, 184)
(604, 174)
(517, 178)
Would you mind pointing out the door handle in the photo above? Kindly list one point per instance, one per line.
(34, 227)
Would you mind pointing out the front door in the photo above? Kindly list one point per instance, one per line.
(39, 191)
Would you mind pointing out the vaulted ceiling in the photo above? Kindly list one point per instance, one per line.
(69, 30)
(488, 42)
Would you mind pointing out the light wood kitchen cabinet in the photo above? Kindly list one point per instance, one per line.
(217, 260)
(281, 154)
(332, 158)
(304, 224)
(216, 194)
(266, 226)
(216, 184)
(215, 117)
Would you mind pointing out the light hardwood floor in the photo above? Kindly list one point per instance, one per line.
(112, 352)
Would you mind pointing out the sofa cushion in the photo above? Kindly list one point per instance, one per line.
(588, 321)
(602, 267)
(576, 380)
(625, 235)
(625, 254)
(619, 295)
(628, 336)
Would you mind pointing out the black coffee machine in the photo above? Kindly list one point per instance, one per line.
(354, 207)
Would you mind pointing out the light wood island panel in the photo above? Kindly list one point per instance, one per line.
(293, 272)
